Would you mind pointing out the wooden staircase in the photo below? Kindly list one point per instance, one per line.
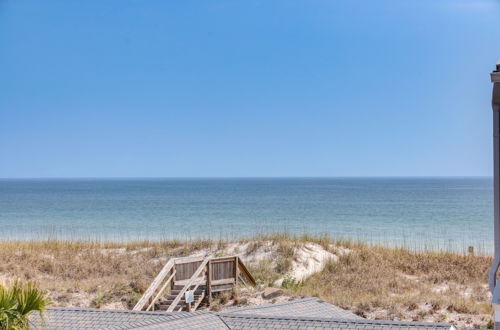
(193, 278)
(199, 295)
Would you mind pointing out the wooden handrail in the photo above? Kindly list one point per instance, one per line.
(167, 282)
(154, 285)
(242, 279)
(187, 260)
(194, 291)
(188, 285)
(245, 271)
(222, 259)
(198, 302)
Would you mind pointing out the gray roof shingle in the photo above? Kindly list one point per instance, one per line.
(306, 307)
(244, 322)
(309, 313)
(88, 318)
(203, 320)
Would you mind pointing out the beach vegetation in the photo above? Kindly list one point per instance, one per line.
(290, 283)
(377, 282)
(17, 301)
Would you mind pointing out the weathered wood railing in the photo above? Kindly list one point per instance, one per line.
(160, 292)
(159, 279)
(190, 282)
(183, 274)
(245, 275)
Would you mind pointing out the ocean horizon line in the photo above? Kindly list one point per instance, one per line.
(247, 177)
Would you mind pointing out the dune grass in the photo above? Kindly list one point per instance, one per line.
(91, 273)
(429, 285)
(374, 281)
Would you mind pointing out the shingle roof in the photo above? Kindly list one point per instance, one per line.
(310, 313)
(203, 320)
(88, 318)
(306, 307)
(244, 322)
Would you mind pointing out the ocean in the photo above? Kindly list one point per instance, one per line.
(416, 213)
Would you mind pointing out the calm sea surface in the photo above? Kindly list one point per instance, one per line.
(437, 213)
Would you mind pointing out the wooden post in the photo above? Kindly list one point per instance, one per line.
(236, 271)
(172, 283)
(236, 275)
(209, 282)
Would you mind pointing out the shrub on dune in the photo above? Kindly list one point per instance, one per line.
(17, 302)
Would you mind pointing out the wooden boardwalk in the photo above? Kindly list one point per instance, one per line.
(196, 279)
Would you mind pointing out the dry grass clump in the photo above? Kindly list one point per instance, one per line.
(373, 281)
(91, 274)
(384, 283)
(387, 283)
(283, 253)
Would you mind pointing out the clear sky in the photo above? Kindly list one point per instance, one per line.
(246, 88)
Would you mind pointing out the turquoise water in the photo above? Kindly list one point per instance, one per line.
(437, 213)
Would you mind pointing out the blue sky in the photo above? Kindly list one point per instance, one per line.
(246, 88)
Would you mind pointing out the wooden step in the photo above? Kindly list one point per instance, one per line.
(165, 307)
(178, 308)
(176, 292)
(175, 289)
(169, 300)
